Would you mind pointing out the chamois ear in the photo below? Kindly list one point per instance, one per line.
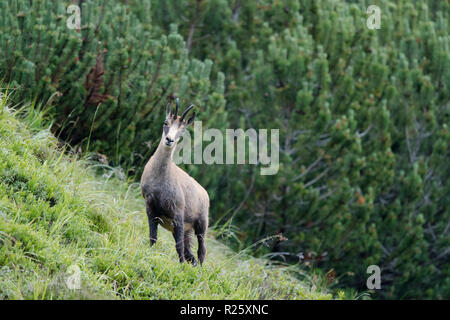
(168, 109)
(191, 119)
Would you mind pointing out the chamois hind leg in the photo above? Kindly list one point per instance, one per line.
(187, 247)
(200, 231)
(178, 234)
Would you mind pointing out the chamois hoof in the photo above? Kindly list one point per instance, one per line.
(192, 261)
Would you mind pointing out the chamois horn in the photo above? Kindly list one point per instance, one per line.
(186, 111)
(176, 108)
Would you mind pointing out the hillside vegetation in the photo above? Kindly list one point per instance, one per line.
(363, 117)
(56, 214)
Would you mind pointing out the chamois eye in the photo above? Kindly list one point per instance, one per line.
(166, 122)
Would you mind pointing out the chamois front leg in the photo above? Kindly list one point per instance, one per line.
(178, 234)
(153, 227)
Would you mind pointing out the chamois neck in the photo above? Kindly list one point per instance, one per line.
(163, 157)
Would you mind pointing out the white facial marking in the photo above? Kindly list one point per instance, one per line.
(172, 132)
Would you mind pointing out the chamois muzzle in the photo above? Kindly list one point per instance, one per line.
(169, 141)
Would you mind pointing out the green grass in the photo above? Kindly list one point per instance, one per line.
(56, 212)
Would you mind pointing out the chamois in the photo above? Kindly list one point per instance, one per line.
(172, 197)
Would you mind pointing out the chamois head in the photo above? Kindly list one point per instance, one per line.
(174, 125)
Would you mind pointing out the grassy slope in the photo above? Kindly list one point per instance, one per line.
(55, 213)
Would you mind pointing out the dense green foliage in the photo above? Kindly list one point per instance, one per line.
(363, 116)
(107, 78)
(55, 213)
